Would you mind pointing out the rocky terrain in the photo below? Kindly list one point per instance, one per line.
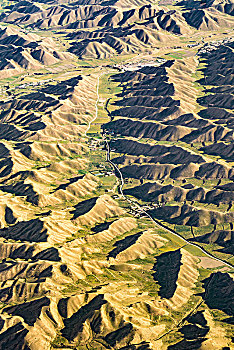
(116, 175)
(21, 50)
(104, 29)
(148, 113)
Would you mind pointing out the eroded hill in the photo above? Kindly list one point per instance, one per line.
(104, 29)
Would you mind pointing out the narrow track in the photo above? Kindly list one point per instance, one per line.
(96, 103)
(157, 223)
(142, 210)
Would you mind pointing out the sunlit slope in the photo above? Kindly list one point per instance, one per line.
(173, 150)
(106, 29)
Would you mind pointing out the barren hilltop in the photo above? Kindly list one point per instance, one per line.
(116, 175)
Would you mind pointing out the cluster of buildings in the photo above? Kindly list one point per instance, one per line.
(38, 83)
(213, 45)
(137, 211)
(139, 65)
(94, 144)
(101, 171)
(7, 89)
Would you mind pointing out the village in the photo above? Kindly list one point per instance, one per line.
(208, 47)
(139, 65)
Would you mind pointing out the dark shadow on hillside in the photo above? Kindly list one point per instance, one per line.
(166, 269)
(83, 207)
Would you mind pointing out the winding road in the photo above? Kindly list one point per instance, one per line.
(142, 210)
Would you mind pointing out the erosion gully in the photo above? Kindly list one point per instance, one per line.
(120, 179)
(141, 210)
